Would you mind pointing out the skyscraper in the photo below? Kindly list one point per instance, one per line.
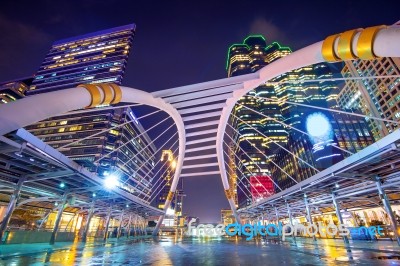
(91, 58)
(253, 149)
(331, 138)
(14, 90)
(377, 97)
(121, 146)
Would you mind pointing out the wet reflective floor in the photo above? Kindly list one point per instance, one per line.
(195, 251)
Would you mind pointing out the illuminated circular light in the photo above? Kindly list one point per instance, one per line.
(62, 185)
(337, 185)
(94, 195)
(56, 203)
(127, 205)
(318, 125)
(111, 181)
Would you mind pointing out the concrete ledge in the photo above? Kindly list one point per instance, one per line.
(23, 237)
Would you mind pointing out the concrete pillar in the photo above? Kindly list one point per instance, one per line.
(120, 224)
(108, 218)
(128, 233)
(339, 215)
(309, 218)
(61, 208)
(11, 207)
(88, 220)
(388, 209)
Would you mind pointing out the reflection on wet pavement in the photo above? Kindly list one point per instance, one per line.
(201, 251)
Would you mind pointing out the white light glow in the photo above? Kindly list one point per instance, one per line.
(170, 211)
(318, 125)
(111, 181)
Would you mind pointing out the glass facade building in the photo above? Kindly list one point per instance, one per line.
(329, 134)
(377, 97)
(121, 147)
(14, 90)
(92, 58)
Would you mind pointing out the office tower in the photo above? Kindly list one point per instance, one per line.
(97, 57)
(167, 171)
(125, 152)
(14, 90)
(253, 149)
(330, 135)
(374, 95)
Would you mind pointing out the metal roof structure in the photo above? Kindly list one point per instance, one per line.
(353, 181)
(22, 155)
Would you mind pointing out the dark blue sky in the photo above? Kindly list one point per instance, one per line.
(178, 43)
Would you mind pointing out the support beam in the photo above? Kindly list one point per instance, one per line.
(88, 220)
(61, 208)
(128, 232)
(108, 218)
(388, 209)
(277, 215)
(339, 215)
(121, 219)
(309, 218)
(291, 219)
(11, 207)
(289, 213)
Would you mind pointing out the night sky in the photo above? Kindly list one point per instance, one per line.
(178, 43)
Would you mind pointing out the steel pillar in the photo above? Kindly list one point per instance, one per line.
(58, 219)
(277, 215)
(45, 219)
(309, 218)
(128, 233)
(11, 207)
(388, 209)
(289, 213)
(87, 225)
(339, 215)
(291, 219)
(120, 224)
(108, 218)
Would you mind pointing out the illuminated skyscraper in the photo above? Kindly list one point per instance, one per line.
(94, 58)
(378, 97)
(14, 90)
(91, 58)
(330, 136)
(244, 58)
